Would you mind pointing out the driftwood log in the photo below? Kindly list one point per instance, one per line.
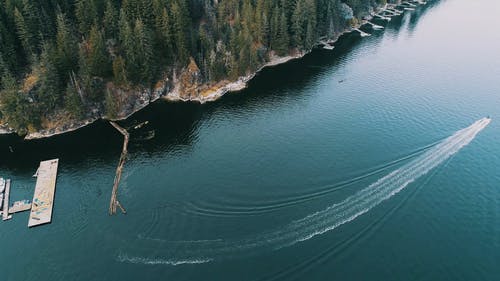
(114, 193)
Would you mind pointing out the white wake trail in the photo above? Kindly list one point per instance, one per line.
(321, 221)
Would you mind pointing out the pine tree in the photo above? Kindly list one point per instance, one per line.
(50, 81)
(309, 38)
(298, 19)
(259, 22)
(8, 55)
(119, 72)
(124, 31)
(311, 26)
(138, 53)
(274, 28)
(67, 50)
(163, 32)
(110, 105)
(97, 62)
(131, 9)
(110, 20)
(72, 102)
(15, 108)
(3, 68)
(143, 52)
(86, 15)
(26, 36)
(146, 12)
(282, 39)
(180, 23)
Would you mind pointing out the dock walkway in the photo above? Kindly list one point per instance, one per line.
(43, 198)
(2, 188)
(20, 206)
(362, 33)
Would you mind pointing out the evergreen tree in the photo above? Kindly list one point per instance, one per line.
(282, 37)
(119, 71)
(26, 35)
(298, 19)
(49, 93)
(95, 56)
(110, 20)
(163, 31)
(72, 102)
(180, 23)
(143, 53)
(67, 50)
(16, 108)
(86, 15)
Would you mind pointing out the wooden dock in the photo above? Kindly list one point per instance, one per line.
(5, 212)
(20, 206)
(375, 26)
(362, 33)
(2, 188)
(2, 185)
(43, 198)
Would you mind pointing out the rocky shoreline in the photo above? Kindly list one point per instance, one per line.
(172, 90)
(146, 97)
(5, 130)
(225, 87)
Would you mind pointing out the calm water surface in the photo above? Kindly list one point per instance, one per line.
(278, 182)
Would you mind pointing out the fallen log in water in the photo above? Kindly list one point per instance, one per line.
(114, 193)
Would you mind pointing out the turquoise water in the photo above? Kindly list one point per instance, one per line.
(384, 176)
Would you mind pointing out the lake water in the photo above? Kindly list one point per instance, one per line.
(344, 165)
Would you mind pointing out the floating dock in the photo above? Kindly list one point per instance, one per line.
(2, 185)
(382, 17)
(375, 26)
(20, 206)
(362, 33)
(5, 212)
(43, 199)
(2, 188)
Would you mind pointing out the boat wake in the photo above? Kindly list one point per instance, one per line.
(182, 252)
(125, 258)
(229, 209)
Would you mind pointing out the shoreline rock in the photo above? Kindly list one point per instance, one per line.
(6, 130)
(224, 87)
(46, 133)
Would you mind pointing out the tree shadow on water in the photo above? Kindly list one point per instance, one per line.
(175, 126)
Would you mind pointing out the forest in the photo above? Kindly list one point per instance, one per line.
(65, 55)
